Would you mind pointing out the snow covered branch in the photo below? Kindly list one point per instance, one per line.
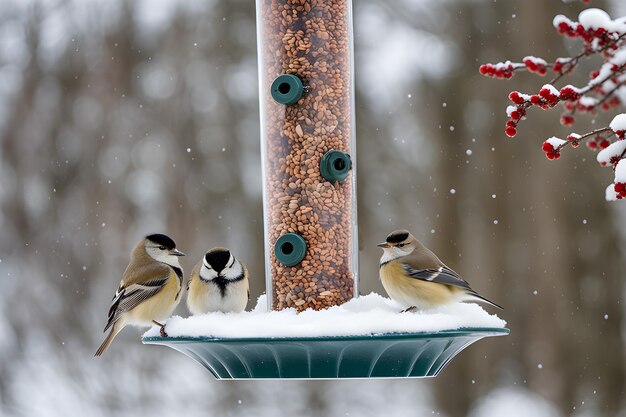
(605, 90)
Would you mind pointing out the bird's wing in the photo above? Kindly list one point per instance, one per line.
(128, 297)
(195, 272)
(440, 275)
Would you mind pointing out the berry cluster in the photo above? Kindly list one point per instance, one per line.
(551, 151)
(603, 37)
(502, 70)
(597, 142)
(535, 65)
(588, 35)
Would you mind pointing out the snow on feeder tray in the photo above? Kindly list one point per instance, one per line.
(366, 337)
(309, 201)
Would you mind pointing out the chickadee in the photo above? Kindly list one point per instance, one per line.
(415, 277)
(219, 282)
(150, 287)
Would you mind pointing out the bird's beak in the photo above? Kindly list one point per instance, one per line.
(176, 252)
(383, 245)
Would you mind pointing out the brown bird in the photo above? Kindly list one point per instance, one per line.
(415, 277)
(150, 287)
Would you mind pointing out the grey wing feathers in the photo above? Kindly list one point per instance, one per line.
(127, 298)
(441, 275)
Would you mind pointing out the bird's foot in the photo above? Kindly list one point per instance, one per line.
(162, 326)
(409, 310)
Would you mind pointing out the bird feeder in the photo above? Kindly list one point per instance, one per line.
(306, 81)
(306, 92)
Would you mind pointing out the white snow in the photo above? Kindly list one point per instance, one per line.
(588, 101)
(555, 142)
(609, 193)
(575, 135)
(553, 90)
(618, 122)
(620, 171)
(503, 65)
(619, 58)
(536, 60)
(510, 109)
(559, 18)
(595, 19)
(615, 149)
(365, 315)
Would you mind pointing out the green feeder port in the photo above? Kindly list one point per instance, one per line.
(398, 355)
(335, 165)
(290, 249)
(287, 89)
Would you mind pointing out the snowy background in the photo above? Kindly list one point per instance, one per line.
(119, 118)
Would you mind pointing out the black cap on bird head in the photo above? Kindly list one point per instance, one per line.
(217, 258)
(162, 240)
(397, 236)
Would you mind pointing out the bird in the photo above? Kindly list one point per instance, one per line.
(415, 277)
(218, 282)
(150, 287)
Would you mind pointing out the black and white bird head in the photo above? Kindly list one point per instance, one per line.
(398, 243)
(162, 248)
(219, 262)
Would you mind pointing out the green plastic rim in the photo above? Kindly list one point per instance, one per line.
(290, 249)
(287, 89)
(397, 355)
(335, 165)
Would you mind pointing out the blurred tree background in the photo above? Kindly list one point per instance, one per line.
(121, 118)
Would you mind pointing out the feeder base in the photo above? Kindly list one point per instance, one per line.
(403, 355)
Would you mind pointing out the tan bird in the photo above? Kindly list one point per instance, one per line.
(150, 287)
(416, 278)
(219, 282)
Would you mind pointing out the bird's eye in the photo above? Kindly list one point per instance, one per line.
(162, 247)
(400, 245)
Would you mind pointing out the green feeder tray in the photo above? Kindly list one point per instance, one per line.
(398, 355)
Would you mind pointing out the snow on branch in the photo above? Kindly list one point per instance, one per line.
(605, 89)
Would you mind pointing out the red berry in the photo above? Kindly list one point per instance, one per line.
(550, 155)
(510, 123)
(547, 147)
(567, 120)
(568, 93)
(619, 187)
(535, 99)
(484, 69)
(604, 144)
(557, 66)
(563, 27)
(510, 131)
(516, 98)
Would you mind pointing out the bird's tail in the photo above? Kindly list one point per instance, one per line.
(117, 327)
(485, 300)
